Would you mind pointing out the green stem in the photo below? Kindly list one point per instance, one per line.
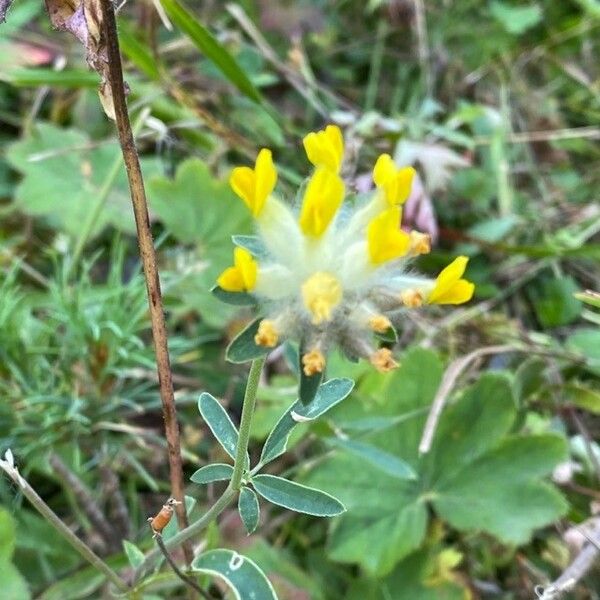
(246, 422)
(236, 479)
(60, 527)
(94, 214)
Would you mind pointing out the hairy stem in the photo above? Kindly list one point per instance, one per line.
(148, 257)
(84, 550)
(238, 471)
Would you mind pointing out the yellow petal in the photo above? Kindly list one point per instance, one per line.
(247, 266)
(266, 177)
(325, 148)
(254, 186)
(449, 287)
(395, 183)
(242, 276)
(322, 199)
(386, 241)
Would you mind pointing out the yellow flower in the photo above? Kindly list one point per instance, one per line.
(449, 287)
(242, 276)
(385, 240)
(322, 199)
(394, 182)
(321, 293)
(254, 186)
(325, 148)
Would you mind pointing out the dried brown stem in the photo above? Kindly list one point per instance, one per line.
(86, 501)
(187, 580)
(446, 386)
(148, 257)
(118, 507)
(576, 571)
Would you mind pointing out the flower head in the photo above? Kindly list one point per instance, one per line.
(334, 275)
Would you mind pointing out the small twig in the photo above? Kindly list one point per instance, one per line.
(8, 466)
(448, 381)
(423, 44)
(148, 257)
(89, 506)
(567, 581)
(118, 506)
(187, 580)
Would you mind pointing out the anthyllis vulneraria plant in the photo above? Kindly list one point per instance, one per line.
(336, 273)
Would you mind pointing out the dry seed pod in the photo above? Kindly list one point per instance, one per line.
(161, 520)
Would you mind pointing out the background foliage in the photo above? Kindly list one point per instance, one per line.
(495, 102)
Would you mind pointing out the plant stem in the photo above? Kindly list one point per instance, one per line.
(238, 470)
(94, 214)
(80, 546)
(246, 422)
(148, 257)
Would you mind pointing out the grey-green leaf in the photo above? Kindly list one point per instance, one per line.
(241, 574)
(210, 473)
(249, 509)
(233, 298)
(243, 348)
(210, 47)
(384, 461)
(252, 243)
(219, 422)
(332, 392)
(308, 387)
(134, 555)
(297, 497)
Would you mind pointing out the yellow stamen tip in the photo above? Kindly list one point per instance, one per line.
(267, 334)
(379, 323)
(321, 293)
(412, 298)
(313, 362)
(420, 243)
(383, 360)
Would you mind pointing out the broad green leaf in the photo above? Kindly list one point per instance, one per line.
(210, 47)
(134, 555)
(241, 574)
(218, 420)
(498, 493)
(297, 497)
(468, 478)
(200, 210)
(13, 583)
(587, 343)
(384, 461)
(63, 175)
(7, 535)
(516, 19)
(249, 509)
(243, 348)
(233, 298)
(554, 301)
(210, 473)
(583, 396)
(424, 575)
(330, 393)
